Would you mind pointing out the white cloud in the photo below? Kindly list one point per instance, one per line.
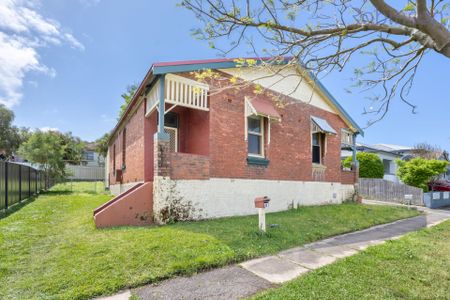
(23, 30)
(47, 129)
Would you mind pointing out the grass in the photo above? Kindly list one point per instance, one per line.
(90, 187)
(416, 266)
(50, 248)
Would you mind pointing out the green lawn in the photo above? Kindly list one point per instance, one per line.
(416, 266)
(50, 249)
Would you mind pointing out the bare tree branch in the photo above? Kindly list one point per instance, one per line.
(324, 36)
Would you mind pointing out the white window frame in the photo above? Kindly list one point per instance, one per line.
(322, 146)
(319, 135)
(260, 134)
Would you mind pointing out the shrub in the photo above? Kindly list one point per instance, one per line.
(419, 172)
(370, 165)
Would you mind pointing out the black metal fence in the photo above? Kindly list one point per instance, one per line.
(18, 182)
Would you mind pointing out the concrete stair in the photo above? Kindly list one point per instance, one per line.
(131, 208)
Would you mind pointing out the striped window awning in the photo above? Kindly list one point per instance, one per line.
(321, 125)
(261, 107)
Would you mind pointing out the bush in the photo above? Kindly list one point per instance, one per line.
(370, 165)
(419, 172)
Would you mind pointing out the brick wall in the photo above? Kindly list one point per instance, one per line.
(189, 166)
(161, 158)
(134, 156)
(349, 177)
(220, 134)
(289, 151)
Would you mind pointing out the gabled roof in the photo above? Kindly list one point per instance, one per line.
(391, 147)
(387, 148)
(161, 68)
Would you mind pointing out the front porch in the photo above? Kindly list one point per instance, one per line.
(182, 134)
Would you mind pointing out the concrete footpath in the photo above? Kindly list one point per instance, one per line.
(250, 277)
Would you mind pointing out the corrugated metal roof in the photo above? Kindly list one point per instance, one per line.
(323, 125)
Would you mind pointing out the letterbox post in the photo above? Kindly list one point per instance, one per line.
(262, 219)
(261, 203)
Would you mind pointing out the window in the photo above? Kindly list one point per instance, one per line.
(171, 120)
(255, 136)
(124, 147)
(387, 166)
(317, 147)
(171, 128)
(88, 155)
(114, 158)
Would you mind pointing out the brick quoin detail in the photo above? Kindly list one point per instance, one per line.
(162, 158)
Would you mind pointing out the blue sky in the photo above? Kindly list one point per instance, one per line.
(68, 64)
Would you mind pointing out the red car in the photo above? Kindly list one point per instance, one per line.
(439, 186)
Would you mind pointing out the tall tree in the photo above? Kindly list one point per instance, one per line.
(73, 147)
(325, 35)
(10, 136)
(419, 172)
(102, 145)
(47, 150)
(52, 150)
(127, 97)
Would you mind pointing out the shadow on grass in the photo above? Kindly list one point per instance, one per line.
(57, 193)
(17, 206)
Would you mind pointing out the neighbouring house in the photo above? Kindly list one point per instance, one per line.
(90, 157)
(91, 166)
(189, 147)
(388, 153)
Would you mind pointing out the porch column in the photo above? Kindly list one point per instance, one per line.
(161, 109)
(355, 161)
(162, 139)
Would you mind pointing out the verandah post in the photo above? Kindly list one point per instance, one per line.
(161, 107)
(355, 161)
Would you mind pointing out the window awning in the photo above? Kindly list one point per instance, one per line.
(261, 107)
(323, 125)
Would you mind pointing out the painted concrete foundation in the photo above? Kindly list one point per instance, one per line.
(221, 197)
(117, 189)
(134, 208)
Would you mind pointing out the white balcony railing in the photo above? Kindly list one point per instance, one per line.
(346, 137)
(179, 91)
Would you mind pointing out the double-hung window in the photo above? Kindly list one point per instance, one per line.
(255, 136)
(317, 142)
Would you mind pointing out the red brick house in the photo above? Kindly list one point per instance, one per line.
(224, 139)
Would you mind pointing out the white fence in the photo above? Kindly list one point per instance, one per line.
(84, 173)
(384, 190)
